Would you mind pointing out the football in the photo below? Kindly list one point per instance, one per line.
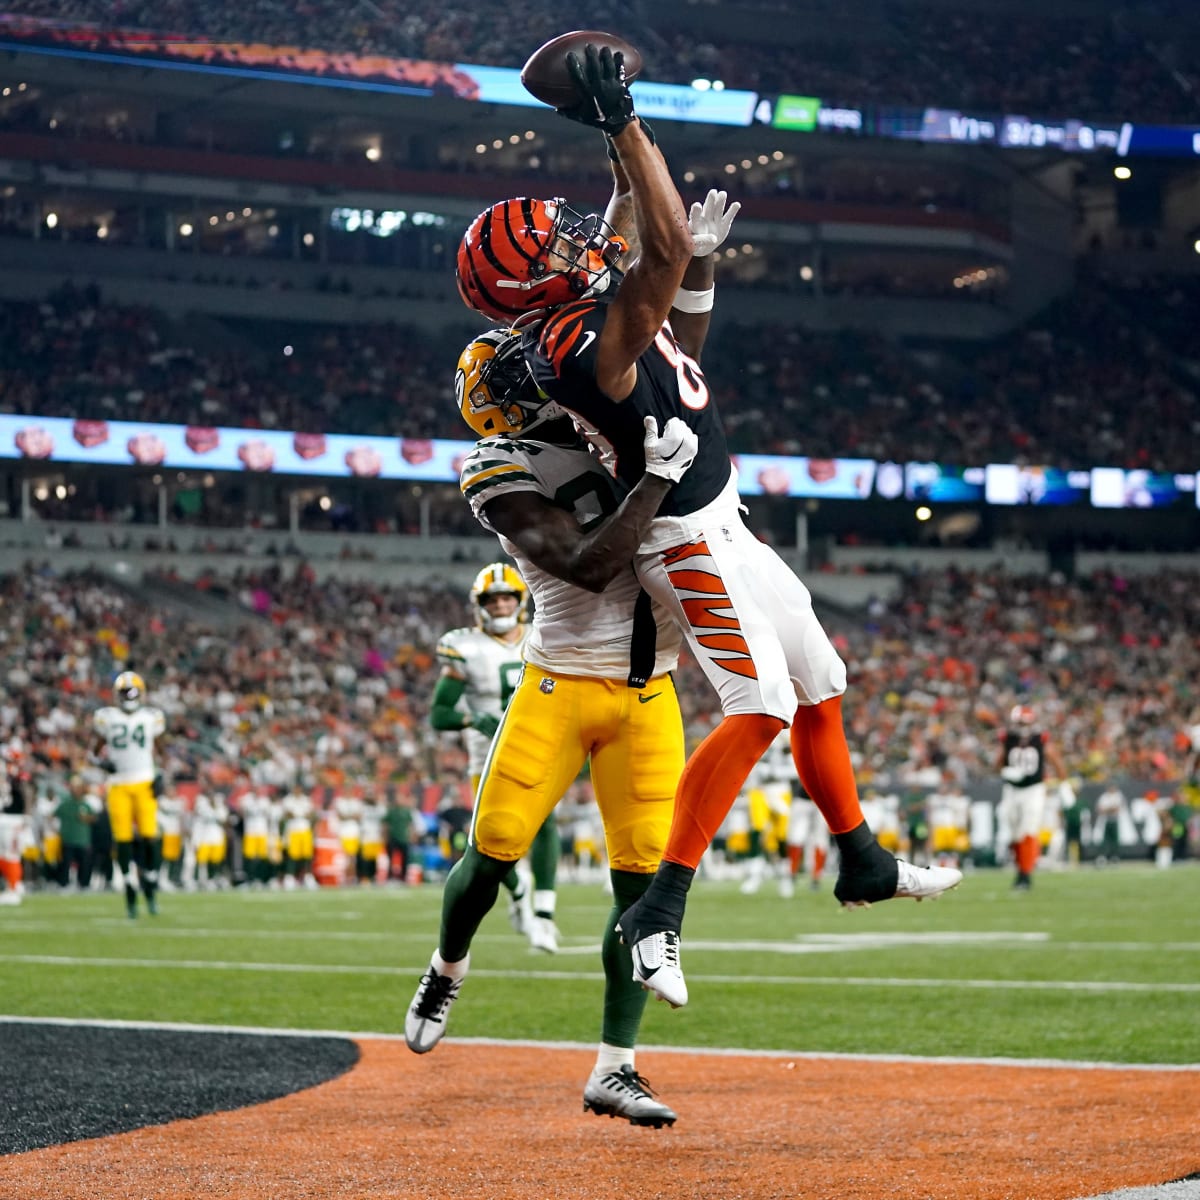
(545, 73)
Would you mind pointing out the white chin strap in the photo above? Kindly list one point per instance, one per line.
(499, 624)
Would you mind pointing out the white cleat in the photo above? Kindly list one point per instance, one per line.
(624, 1093)
(656, 967)
(425, 1021)
(543, 934)
(924, 883)
(787, 887)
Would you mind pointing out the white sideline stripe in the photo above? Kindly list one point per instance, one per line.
(191, 964)
(809, 943)
(531, 1044)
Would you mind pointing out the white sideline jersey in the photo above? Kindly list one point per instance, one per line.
(492, 669)
(619, 633)
(129, 738)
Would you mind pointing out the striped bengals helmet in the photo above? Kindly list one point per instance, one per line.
(499, 579)
(496, 393)
(523, 255)
(1022, 717)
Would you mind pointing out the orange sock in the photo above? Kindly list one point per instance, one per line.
(795, 859)
(711, 781)
(1027, 854)
(823, 763)
(818, 864)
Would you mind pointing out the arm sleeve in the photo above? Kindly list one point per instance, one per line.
(443, 712)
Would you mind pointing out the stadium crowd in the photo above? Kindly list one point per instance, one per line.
(329, 681)
(1114, 65)
(1095, 380)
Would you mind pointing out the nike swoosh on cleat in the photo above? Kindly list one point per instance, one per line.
(647, 699)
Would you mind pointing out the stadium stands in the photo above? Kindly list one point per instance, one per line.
(1096, 64)
(1095, 380)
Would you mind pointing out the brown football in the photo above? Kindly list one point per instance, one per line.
(545, 73)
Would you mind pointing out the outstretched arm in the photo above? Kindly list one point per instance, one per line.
(645, 297)
(691, 309)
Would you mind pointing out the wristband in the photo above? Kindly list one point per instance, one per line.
(693, 302)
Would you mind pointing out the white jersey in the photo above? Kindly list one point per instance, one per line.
(372, 823)
(492, 669)
(170, 816)
(129, 737)
(256, 815)
(297, 813)
(618, 633)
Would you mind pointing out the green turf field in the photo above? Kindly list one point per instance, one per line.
(1092, 965)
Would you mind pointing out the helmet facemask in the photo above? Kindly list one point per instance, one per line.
(495, 390)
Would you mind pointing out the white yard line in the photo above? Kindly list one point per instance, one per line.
(189, 964)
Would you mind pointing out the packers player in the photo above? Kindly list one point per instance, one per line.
(125, 737)
(480, 669)
(596, 684)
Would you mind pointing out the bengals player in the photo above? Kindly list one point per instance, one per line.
(1024, 753)
(615, 347)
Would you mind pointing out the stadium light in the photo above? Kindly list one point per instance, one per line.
(1122, 172)
(924, 513)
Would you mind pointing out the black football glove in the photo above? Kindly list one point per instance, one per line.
(606, 103)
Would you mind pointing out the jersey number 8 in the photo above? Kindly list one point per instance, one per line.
(693, 391)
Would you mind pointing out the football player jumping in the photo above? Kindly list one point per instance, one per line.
(596, 685)
(600, 345)
(480, 668)
(125, 736)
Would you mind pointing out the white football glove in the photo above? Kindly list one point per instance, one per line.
(670, 454)
(710, 222)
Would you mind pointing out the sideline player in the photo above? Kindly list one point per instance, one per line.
(480, 669)
(1024, 753)
(599, 345)
(125, 736)
(596, 685)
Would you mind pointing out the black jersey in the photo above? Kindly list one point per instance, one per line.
(1026, 753)
(561, 352)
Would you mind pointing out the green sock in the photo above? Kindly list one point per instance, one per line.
(469, 894)
(544, 855)
(624, 1000)
(511, 881)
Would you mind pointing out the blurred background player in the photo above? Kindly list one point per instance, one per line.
(371, 849)
(807, 841)
(596, 687)
(1024, 754)
(210, 841)
(769, 797)
(949, 817)
(348, 814)
(125, 737)
(256, 832)
(298, 814)
(75, 819)
(1106, 830)
(480, 669)
(172, 813)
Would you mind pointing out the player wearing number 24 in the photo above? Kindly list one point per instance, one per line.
(125, 735)
(606, 345)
